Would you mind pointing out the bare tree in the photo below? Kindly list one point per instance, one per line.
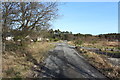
(28, 16)
(6, 11)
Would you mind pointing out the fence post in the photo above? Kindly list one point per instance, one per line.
(0, 40)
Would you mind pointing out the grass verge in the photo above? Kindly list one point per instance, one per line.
(19, 63)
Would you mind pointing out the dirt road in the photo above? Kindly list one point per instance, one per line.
(65, 62)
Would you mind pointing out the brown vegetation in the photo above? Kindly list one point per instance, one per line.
(102, 64)
(19, 63)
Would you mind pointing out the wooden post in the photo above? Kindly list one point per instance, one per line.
(0, 40)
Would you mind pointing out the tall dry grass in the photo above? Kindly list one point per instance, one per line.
(39, 50)
(102, 64)
(16, 64)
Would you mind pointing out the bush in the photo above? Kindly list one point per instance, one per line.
(93, 42)
(11, 46)
(51, 39)
(78, 42)
(11, 72)
(17, 37)
(56, 39)
(119, 48)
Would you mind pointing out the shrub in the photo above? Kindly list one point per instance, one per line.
(78, 42)
(119, 48)
(56, 39)
(93, 42)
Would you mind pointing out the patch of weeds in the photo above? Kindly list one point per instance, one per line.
(11, 72)
(107, 69)
(85, 55)
(119, 48)
(17, 74)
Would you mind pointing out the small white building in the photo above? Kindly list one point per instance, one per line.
(31, 40)
(18, 40)
(47, 39)
(39, 38)
(9, 38)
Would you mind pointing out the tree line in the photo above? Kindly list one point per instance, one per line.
(110, 36)
(66, 35)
